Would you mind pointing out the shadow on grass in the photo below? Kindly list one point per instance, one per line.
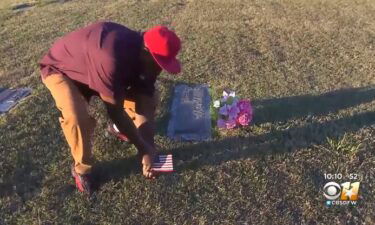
(20, 181)
(283, 141)
(282, 109)
(277, 142)
(116, 170)
(195, 155)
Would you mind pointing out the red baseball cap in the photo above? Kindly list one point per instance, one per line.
(164, 46)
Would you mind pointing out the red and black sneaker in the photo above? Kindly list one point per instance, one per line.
(84, 183)
(112, 129)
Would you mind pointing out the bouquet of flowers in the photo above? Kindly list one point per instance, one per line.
(232, 112)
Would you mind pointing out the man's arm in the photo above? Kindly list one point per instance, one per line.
(124, 123)
(126, 126)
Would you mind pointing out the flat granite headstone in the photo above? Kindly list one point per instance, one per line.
(190, 113)
(10, 97)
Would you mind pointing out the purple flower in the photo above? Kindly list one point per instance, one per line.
(221, 124)
(233, 112)
(223, 110)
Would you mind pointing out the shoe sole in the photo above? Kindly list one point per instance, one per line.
(78, 181)
(119, 136)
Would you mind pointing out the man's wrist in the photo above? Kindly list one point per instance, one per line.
(138, 143)
(141, 146)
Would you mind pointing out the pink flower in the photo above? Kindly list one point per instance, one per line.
(234, 112)
(244, 118)
(245, 106)
(231, 124)
(221, 124)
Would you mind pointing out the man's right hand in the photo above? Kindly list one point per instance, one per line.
(147, 162)
(147, 153)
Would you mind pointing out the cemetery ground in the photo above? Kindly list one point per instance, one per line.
(307, 65)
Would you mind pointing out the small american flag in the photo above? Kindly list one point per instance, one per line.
(163, 163)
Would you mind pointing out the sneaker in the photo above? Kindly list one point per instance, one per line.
(83, 182)
(112, 129)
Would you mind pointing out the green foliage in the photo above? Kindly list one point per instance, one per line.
(344, 145)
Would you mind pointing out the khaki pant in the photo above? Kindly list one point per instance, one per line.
(77, 125)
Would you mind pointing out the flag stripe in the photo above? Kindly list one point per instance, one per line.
(163, 170)
(164, 159)
(163, 163)
(165, 156)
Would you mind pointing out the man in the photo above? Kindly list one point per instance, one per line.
(119, 65)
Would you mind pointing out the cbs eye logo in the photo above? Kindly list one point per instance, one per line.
(331, 190)
(347, 190)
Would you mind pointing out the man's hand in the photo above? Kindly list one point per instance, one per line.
(146, 153)
(147, 161)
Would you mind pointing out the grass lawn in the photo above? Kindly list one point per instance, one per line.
(307, 65)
